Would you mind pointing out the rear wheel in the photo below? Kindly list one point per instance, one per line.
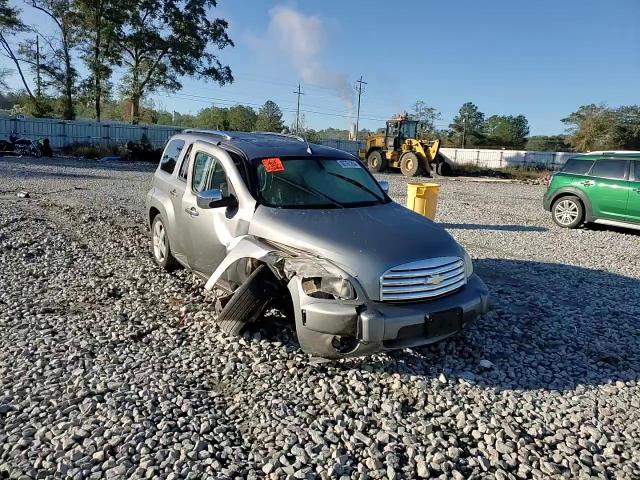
(160, 245)
(376, 161)
(568, 212)
(443, 167)
(410, 165)
(248, 301)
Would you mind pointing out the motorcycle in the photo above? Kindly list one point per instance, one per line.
(20, 146)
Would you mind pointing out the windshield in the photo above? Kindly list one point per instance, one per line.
(316, 183)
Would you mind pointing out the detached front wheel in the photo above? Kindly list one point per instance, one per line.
(248, 301)
(568, 212)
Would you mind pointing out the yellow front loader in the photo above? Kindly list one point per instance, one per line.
(398, 147)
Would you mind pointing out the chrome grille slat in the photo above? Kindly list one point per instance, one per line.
(423, 287)
(423, 279)
(397, 273)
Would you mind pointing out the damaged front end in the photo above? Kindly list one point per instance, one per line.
(326, 301)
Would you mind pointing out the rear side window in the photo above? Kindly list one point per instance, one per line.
(614, 169)
(170, 155)
(636, 171)
(184, 168)
(579, 167)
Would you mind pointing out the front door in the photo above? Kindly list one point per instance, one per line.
(208, 230)
(633, 205)
(608, 188)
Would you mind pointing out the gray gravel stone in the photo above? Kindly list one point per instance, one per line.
(112, 368)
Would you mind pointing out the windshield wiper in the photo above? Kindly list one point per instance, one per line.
(357, 184)
(310, 190)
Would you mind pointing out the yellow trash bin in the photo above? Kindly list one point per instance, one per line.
(423, 198)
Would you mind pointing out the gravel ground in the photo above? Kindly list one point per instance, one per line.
(111, 368)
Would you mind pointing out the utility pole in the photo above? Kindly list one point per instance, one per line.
(38, 92)
(298, 92)
(464, 127)
(360, 83)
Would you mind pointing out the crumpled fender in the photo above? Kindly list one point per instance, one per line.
(245, 247)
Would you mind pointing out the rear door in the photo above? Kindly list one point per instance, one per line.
(608, 188)
(633, 205)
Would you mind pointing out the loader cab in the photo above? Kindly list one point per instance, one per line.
(398, 131)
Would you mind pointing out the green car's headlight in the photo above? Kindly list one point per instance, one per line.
(328, 287)
(468, 265)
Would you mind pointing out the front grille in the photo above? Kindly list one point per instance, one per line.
(423, 279)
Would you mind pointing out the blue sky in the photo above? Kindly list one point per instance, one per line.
(542, 59)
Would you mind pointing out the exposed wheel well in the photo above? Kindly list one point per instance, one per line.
(153, 211)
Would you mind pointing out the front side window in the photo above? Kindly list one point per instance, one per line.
(578, 167)
(170, 155)
(208, 174)
(636, 171)
(614, 169)
(316, 183)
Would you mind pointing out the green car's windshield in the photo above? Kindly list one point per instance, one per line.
(316, 183)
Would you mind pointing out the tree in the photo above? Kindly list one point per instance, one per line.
(57, 63)
(100, 20)
(163, 40)
(241, 118)
(548, 143)
(591, 128)
(10, 25)
(467, 125)
(269, 118)
(213, 117)
(506, 130)
(427, 117)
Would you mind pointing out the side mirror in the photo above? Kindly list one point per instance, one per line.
(384, 185)
(214, 199)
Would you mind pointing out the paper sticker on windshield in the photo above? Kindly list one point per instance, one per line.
(349, 164)
(272, 165)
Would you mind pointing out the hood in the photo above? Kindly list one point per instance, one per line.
(364, 241)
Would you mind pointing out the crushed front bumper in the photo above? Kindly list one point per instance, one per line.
(376, 325)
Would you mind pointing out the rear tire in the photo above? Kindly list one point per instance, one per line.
(376, 161)
(568, 212)
(444, 169)
(410, 165)
(160, 247)
(248, 301)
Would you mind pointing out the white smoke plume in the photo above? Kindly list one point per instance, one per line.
(301, 39)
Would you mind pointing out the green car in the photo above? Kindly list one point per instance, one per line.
(599, 187)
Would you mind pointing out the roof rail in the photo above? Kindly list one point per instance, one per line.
(286, 135)
(220, 133)
(612, 152)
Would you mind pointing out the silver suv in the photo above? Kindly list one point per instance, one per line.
(267, 218)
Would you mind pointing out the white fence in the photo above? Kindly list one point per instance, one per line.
(505, 158)
(62, 133)
(478, 157)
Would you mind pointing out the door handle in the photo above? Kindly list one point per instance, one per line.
(587, 183)
(637, 190)
(173, 192)
(192, 211)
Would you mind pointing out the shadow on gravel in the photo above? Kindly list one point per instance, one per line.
(551, 326)
(505, 228)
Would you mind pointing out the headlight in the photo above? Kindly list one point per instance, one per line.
(468, 265)
(335, 288)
